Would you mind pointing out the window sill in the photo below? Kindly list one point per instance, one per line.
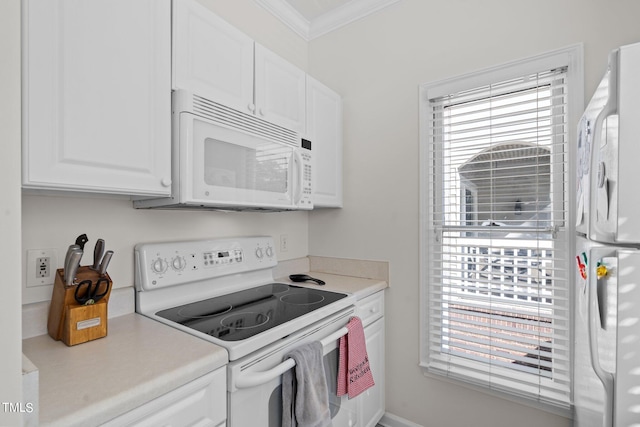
(565, 412)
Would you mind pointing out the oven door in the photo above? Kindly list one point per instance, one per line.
(255, 382)
(221, 166)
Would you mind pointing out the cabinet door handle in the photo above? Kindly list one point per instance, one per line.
(251, 107)
(166, 182)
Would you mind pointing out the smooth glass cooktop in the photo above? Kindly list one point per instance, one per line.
(246, 313)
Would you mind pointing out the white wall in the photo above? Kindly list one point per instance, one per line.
(377, 64)
(10, 319)
(55, 222)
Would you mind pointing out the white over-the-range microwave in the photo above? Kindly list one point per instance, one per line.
(227, 160)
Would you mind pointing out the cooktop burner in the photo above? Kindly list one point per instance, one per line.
(243, 314)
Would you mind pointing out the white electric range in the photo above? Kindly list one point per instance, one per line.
(223, 291)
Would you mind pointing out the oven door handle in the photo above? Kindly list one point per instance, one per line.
(253, 379)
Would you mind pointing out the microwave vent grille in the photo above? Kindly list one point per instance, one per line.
(248, 123)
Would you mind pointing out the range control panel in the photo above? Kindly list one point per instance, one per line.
(172, 263)
(225, 257)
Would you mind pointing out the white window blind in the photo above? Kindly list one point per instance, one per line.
(497, 252)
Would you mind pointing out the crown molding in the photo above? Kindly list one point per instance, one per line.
(282, 10)
(332, 20)
(346, 14)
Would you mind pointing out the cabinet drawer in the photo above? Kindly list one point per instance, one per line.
(200, 402)
(371, 308)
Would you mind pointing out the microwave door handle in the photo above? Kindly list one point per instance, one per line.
(297, 160)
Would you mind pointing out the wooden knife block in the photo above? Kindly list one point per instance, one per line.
(74, 323)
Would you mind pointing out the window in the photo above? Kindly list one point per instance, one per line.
(496, 230)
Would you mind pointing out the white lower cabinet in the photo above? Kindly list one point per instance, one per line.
(201, 403)
(371, 403)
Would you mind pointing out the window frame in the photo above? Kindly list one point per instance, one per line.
(570, 57)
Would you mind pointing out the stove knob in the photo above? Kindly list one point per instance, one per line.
(178, 263)
(259, 253)
(269, 251)
(159, 266)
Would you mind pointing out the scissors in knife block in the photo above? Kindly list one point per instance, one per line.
(87, 292)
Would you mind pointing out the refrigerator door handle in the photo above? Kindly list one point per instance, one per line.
(594, 325)
(608, 109)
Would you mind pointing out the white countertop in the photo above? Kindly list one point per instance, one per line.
(357, 286)
(139, 360)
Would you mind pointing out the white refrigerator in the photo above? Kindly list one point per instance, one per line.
(607, 294)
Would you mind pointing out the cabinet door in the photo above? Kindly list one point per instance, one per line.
(96, 99)
(372, 401)
(279, 90)
(324, 130)
(211, 58)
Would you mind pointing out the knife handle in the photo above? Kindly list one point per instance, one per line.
(71, 269)
(98, 252)
(105, 263)
(66, 261)
(81, 240)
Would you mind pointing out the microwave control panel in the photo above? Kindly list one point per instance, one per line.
(306, 192)
(306, 176)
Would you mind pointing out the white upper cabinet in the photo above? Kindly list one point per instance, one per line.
(213, 59)
(96, 96)
(279, 90)
(324, 130)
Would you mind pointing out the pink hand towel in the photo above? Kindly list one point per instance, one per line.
(354, 372)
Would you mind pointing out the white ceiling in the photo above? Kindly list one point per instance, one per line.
(313, 18)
